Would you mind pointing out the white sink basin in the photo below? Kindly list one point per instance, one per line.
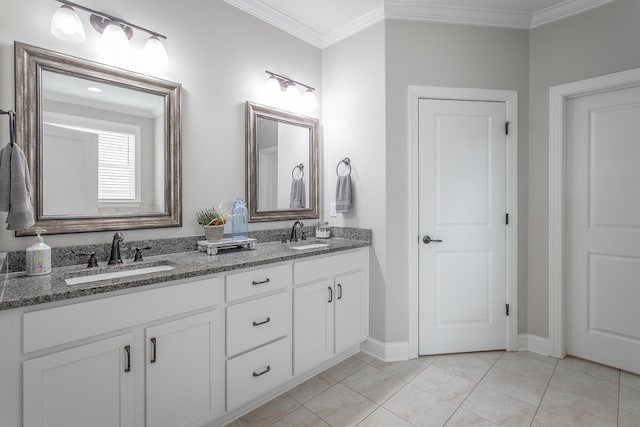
(310, 246)
(116, 274)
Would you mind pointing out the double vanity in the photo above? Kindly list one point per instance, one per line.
(194, 340)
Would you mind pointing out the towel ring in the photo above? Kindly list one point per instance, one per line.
(347, 162)
(301, 167)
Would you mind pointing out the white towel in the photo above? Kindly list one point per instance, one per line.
(298, 198)
(15, 188)
(343, 194)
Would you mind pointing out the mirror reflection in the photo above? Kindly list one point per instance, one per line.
(283, 158)
(282, 164)
(113, 139)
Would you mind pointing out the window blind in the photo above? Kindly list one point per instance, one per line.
(116, 166)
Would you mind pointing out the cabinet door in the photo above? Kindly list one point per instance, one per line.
(180, 370)
(90, 385)
(349, 309)
(312, 324)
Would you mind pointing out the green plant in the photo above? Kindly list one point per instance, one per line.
(212, 216)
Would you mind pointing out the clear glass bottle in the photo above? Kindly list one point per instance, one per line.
(239, 220)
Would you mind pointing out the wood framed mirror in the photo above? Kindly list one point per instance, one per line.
(282, 164)
(102, 144)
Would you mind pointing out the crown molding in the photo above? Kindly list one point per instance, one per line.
(564, 10)
(354, 26)
(266, 13)
(418, 11)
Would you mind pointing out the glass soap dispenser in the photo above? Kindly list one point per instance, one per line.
(38, 257)
(239, 221)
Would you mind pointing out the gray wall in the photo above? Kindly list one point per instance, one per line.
(430, 54)
(601, 41)
(216, 51)
(353, 81)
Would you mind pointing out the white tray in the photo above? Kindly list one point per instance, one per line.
(212, 248)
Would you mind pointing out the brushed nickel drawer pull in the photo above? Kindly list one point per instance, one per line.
(257, 374)
(253, 282)
(262, 323)
(154, 350)
(127, 349)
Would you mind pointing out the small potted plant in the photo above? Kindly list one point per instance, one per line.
(213, 220)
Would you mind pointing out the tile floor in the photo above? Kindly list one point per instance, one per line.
(471, 389)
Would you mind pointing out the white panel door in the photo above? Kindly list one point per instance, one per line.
(89, 385)
(348, 311)
(180, 371)
(462, 291)
(603, 228)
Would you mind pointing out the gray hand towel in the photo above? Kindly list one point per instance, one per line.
(298, 198)
(13, 164)
(343, 194)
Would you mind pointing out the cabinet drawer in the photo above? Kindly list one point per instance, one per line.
(314, 269)
(257, 372)
(253, 323)
(257, 282)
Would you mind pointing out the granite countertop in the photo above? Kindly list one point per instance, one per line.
(19, 290)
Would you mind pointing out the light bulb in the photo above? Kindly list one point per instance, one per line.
(310, 99)
(292, 92)
(66, 25)
(154, 53)
(272, 85)
(114, 42)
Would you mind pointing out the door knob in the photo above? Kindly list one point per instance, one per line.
(427, 239)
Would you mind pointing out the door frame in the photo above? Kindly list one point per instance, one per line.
(510, 98)
(558, 96)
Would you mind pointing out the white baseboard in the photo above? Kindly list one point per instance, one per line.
(533, 343)
(387, 352)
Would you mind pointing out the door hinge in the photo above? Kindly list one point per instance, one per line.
(507, 309)
(506, 219)
(506, 128)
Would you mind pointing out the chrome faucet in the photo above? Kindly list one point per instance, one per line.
(294, 233)
(115, 249)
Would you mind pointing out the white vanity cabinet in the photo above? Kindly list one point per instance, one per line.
(169, 370)
(331, 307)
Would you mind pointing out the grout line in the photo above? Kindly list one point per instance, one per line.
(545, 392)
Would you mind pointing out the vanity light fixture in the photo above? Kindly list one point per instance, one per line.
(290, 87)
(116, 32)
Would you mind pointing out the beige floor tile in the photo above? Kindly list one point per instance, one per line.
(301, 417)
(236, 423)
(486, 356)
(541, 357)
(526, 366)
(405, 370)
(577, 409)
(590, 368)
(419, 407)
(444, 384)
(383, 418)
(499, 408)
(463, 366)
(628, 419)
(630, 380)
(366, 358)
(630, 400)
(463, 418)
(344, 368)
(270, 412)
(311, 388)
(547, 419)
(340, 406)
(581, 384)
(373, 383)
(514, 385)
(427, 360)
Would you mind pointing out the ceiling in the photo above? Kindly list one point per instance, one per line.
(324, 22)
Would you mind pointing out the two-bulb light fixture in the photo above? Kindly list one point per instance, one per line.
(116, 33)
(278, 83)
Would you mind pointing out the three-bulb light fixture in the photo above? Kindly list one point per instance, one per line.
(277, 83)
(116, 32)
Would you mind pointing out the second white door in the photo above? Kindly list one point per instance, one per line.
(462, 290)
